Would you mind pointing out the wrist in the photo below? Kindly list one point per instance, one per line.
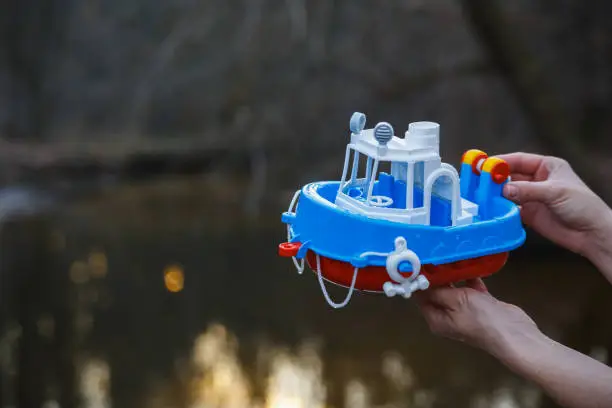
(518, 352)
(599, 245)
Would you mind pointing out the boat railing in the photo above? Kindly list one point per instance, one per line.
(418, 215)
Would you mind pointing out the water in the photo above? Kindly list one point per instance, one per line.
(167, 295)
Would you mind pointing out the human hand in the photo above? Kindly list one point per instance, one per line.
(556, 203)
(471, 315)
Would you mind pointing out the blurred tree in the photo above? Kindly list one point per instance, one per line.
(271, 70)
(588, 35)
(562, 131)
(31, 36)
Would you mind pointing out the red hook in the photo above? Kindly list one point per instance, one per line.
(289, 249)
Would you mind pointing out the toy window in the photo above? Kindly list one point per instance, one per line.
(384, 167)
(361, 167)
(400, 171)
(419, 174)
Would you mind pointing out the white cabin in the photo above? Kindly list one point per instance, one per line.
(415, 180)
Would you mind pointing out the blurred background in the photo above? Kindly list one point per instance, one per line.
(148, 148)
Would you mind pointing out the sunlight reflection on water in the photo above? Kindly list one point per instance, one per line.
(293, 380)
(296, 381)
(219, 380)
(509, 397)
(356, 395)
(95, 377)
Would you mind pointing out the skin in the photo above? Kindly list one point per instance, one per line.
(556, 203)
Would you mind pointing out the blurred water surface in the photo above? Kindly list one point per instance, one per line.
(168, 292)
(165, 294)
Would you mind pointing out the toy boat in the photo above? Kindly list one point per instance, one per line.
(416, 225)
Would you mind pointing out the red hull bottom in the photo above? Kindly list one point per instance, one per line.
(372, 278)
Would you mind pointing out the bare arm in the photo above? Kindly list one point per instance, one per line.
(559, 206)
(573, 379)
(599, 250)
(472, 315)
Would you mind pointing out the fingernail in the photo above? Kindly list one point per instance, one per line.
(511, 191)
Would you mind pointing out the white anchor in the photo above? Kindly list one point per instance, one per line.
(405, 286)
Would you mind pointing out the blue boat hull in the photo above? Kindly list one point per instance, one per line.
(325, 229)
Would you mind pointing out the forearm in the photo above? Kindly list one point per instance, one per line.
(573, 379)
(599, 251)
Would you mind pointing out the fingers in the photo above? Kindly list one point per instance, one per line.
(522, 192)
(447, 310)
(434, 309)
(531, 212)
(521, 177)
(477, 284)
(447, 298)
(437, 320)
(523, 163)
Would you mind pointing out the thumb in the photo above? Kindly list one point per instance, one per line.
(522, 192)
(477, 284)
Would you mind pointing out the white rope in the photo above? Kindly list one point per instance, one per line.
(383, 254)
(293, 201)
(406, 286)
(326, 295)
(299, 265)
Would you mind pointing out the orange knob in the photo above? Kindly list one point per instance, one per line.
(473, 158)
(498, 168)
